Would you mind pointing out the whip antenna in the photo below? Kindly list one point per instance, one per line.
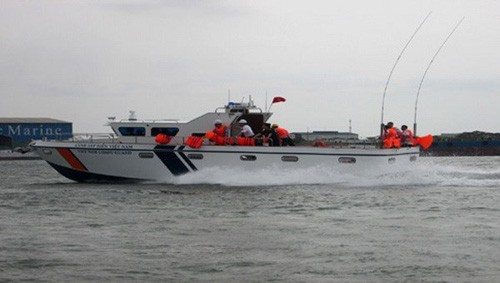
(392, 70)
(425, 73)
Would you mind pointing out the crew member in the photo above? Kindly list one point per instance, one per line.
(284, 135)
(390, 125)
(246, 130)
(391, 138)
(406, 136)
(269, 135)
(220, 130)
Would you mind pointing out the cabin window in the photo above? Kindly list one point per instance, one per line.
(132, 131)
(413, 158)
(195, 156)
(289, 158)
(248, 157)
(392, 160)
(146, 155)
(167, 131)
(347, 160)
(47, 151)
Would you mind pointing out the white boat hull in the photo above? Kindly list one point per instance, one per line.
(91, 162)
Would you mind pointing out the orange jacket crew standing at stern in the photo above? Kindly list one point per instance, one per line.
(406, 136)
(284, 135)
(391, 138)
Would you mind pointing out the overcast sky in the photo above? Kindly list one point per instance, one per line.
(83, 61)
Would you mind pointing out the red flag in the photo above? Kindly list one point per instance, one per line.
(278, 99)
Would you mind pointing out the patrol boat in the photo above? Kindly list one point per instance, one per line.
(132, 153)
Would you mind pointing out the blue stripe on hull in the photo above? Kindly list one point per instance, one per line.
(186, 159)
(171, 160)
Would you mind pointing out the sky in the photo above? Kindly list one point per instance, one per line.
(83, 61)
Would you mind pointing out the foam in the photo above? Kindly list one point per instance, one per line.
(427, 171)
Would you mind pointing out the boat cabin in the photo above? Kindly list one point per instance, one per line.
(145, 131)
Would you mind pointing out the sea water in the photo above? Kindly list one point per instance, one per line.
(440, 221)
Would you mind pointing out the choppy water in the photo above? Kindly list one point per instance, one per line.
(440, 222)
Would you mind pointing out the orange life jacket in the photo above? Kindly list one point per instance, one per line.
(229, 140)
(388, 143)
(220, 131)
(392, 133)
(407, 136)
(392, 142)
(396, 143)
(194, 141)
(282, 132)
(218, 140)
(210, 135)
(245, 141)
(391, 138)
(425, 142)
(162, 138)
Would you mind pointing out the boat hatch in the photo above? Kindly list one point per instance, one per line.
(195, 156)
(146, 155)
(347, 160)
(248, 157)
(289, 158)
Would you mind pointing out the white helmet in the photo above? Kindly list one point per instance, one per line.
(243, 121)
(217, 122)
